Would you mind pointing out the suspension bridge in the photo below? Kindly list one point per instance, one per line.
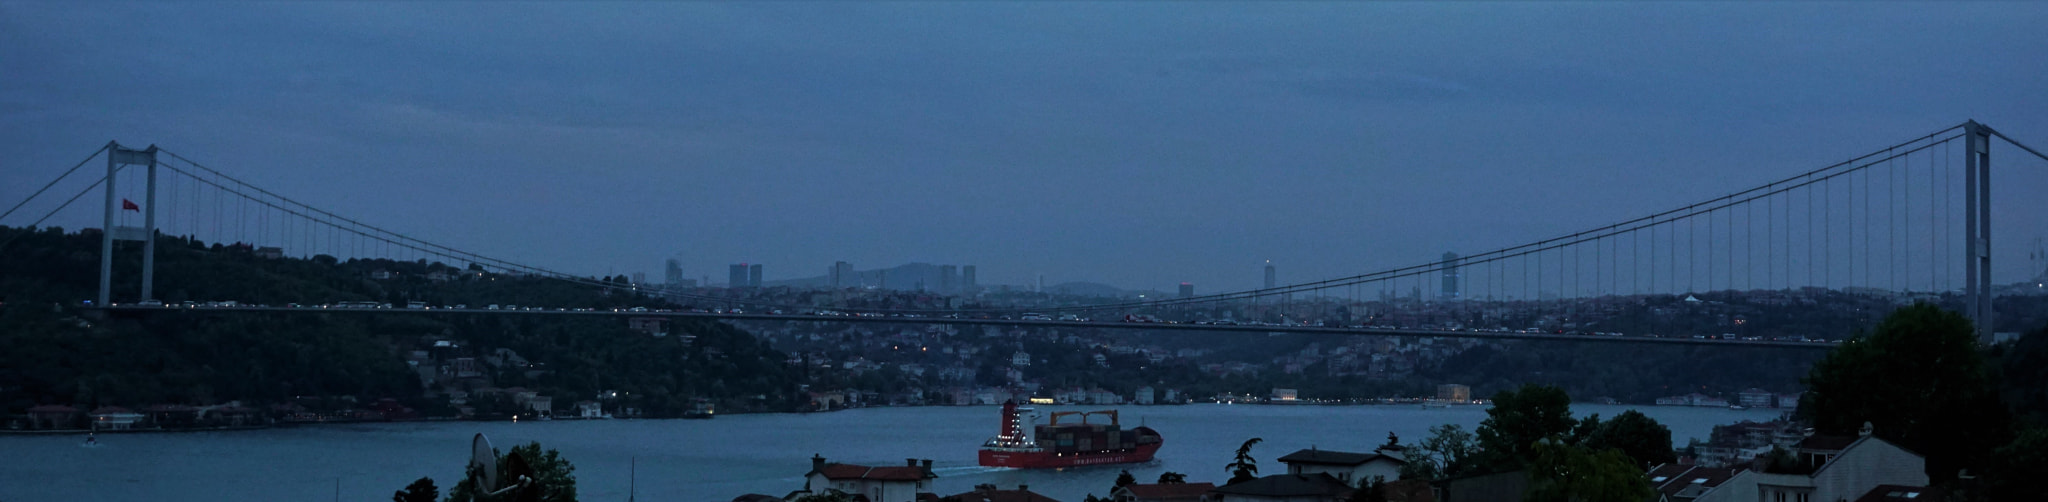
(1910, 221)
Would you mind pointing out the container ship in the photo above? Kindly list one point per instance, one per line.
(1022, 444)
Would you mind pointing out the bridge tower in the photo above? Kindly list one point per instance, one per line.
(118, 156)
(1977, 219)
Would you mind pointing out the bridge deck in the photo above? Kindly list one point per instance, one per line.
(1485, 335)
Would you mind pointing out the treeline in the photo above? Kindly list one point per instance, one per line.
(58, 354)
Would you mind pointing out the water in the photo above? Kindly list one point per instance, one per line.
(700, 460)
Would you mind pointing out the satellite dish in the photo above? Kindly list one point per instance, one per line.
(483, 463)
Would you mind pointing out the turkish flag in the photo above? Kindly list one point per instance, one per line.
(129, 205)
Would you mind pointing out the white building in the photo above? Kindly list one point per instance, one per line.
(1839, 472)
(1351, 468)
(1142, 396)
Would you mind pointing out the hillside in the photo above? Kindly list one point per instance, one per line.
(59, 355)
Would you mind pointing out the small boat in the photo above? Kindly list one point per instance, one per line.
(90, 441)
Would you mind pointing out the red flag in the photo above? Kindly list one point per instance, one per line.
(129, 205)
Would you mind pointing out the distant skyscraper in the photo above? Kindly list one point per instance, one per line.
(967, 278)
(754, 276)
(1272, 280)
(639, 278)
(736, 275)
(1041, 283)
(949, 278)
(674, 277)
(1451, 276)
(842, 275)
(1187, 290)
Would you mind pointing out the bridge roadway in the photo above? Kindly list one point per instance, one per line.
(851, 318)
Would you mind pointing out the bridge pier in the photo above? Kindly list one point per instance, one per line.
(116, 157)
(1977, 211)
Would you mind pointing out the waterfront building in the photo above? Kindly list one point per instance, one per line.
(1755, 398)
(1453, 392)
(114, 418)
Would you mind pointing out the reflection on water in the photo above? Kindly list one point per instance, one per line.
(699, 460)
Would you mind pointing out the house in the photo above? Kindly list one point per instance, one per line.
(590, 409)
(876, 484)
(1755, 398)
(1162, 492)
(1827, 468)
(989, 493)
(1496, 487)
(1350, 468)
(1319, 487)
(52, 416)
(115, 418)
(1788, 401)
(1684, 483)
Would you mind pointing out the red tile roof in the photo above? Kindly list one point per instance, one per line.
(999, 496)
(850, 471)
(103, 410)
(53, 408)
(1164, 491)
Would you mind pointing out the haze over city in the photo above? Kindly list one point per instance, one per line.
(1139, 145)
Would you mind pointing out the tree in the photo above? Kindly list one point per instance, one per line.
(1124, 479)
(1636, 435)
(1560, 472)
(1518, 419)
(828, 496)
(1920, 382)
(554, 478)
(1448, 452)
(2016, 470)
(422, 490)
(1244, 467)
(1172, 478)
(1371, 490)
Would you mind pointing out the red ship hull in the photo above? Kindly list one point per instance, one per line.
(1046, 459)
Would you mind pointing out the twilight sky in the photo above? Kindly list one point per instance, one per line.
(1137, 144)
